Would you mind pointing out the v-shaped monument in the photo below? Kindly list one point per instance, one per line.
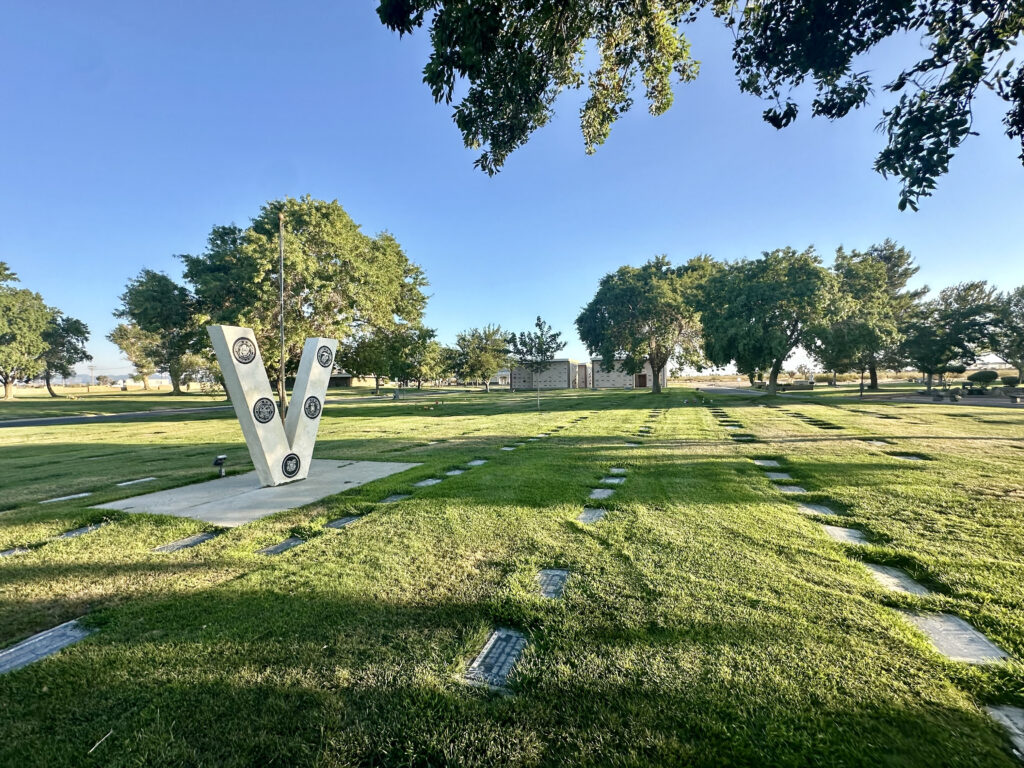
(280, 452)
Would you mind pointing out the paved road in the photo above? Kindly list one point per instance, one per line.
(60, 421)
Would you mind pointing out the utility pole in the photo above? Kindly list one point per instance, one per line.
(280, 288)
(88, 387)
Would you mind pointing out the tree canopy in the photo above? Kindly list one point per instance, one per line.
(135, 344)
(508, 60)
(337, 279)
(24, 319)
(482, 352)
(65, 339)
(1008, 333)
(645, 315)
(755, 313)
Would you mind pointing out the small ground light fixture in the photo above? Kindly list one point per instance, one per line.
(219, 462)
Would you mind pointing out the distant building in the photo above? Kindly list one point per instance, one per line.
(558, 374)
(619, 379)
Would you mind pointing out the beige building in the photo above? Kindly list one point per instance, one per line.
(559, 374)
(619, 379)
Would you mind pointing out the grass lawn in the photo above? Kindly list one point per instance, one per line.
(705, 622)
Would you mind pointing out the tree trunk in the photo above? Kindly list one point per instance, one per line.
(538, 397)
(873, 373)
(834, 380)
(750, 377)
(929, 385)
(376, 385)
(145, 383)
(487, 385)
(176, 384)
(773, 377)
(49, 384)
(419, 383)
(8, 389)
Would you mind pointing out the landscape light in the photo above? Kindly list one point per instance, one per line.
(219, 462)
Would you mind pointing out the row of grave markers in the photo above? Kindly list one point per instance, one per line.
(950, 635)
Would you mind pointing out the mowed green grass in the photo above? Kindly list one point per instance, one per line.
(705, 621)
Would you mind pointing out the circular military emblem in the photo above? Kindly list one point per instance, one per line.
(244, 350)
(290, 465)
(312, 407)
(263, 410)
(324, 356)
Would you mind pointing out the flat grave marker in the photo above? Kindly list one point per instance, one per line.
(617, 471)
(342, 522)
(476, 463)
(14, 551)
(601, 493)
(495, 661)
(778, 475)
(284, 546)
(816, 509)
(41, 645)
(454, 472)
(791, 489)
(591, 515)
(896, 579)
(767, 463)
(74, 534)
(508, 447)
(67, 498)
(955, 638)
(552, 582)
(845, 535)
(135, 482)
(187, 543)
(907, 456)
(395, 497)
(1012, 719)
(613, 480)
(427, 483)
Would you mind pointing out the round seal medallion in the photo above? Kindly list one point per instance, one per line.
(312, 407)
(244, 350)
(263, 410)
(324, 356)
(290, 465)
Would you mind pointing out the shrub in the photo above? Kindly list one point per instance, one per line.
(984, 378)
(1010, 381)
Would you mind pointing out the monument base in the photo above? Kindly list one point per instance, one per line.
(239, 499)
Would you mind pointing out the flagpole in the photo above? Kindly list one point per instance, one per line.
(280, 289)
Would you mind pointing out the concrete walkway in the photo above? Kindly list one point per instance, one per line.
(239, 499)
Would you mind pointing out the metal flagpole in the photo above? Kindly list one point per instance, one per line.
(280, 288)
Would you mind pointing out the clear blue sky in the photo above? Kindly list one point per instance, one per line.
(129, 129)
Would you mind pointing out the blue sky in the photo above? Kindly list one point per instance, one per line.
(131, 128)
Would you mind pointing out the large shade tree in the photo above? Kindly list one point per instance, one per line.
(482, 352)
(505, 62)
(864, 320)
(645, 315)
(950, 332)
(756, 312)
(135, 345)
(65, 339)
(165, 310)
(337, 280)
(24, 319)
(1008, 329)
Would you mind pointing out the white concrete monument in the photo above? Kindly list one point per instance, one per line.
(281, 452)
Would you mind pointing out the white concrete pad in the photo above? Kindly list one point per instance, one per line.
(1012, 719)
(617, 471)
(791, 489)
(896, 579)
(778, 475)
(427, 483)
(766, 462)
(508, 448)
(601, 493)
(290, 543)
(135, 482)
(631, 445)
(239, 499)
(476, 463)
(845, 535)
(454, 472)
(906, 456)
(955, 638)
(591, 515)
(613, 480)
